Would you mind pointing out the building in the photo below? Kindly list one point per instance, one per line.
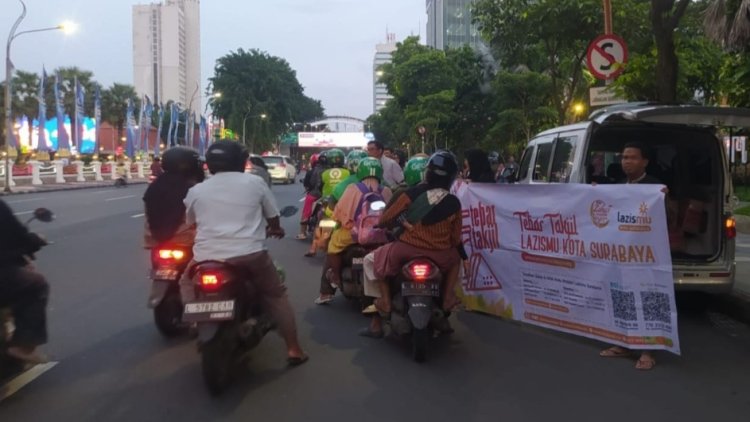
(166, 52)
(383, 53)
(449, 24)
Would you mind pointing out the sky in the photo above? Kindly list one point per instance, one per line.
(329, 43)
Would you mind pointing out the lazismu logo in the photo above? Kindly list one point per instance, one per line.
(633, 219)
(640, 222)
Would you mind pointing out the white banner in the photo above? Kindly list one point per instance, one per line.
(332, 140)
(587, 260)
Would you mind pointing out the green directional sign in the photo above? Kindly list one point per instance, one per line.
(289, 138)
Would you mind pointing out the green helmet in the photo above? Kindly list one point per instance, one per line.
(414, 170)
(370, 167)
(353, 159)
(335, 157)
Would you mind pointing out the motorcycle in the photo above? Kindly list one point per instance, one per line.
(317, 215)
(10, 366)
(230, 322)
(168, 262)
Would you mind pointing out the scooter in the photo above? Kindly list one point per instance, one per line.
(229, 318)
(11, 367)
(168, 262)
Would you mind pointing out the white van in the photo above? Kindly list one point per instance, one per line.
(686, 153)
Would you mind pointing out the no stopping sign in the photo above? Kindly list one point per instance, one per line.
(606, 56)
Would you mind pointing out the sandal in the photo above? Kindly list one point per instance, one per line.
(323, 300)
(645, 363)
(297, 360)
(310, 254)
(301, 237)
(615, 352)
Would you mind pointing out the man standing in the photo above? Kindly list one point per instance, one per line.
(393, 175)
(634, 162)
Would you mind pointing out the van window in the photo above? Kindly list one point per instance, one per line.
(541, 163)
(562, 164)
(523, 171)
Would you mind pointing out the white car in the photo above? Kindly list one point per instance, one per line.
(281, 168)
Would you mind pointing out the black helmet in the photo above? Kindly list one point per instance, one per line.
(184, 161)
(323, 159)
(442, 169)
(226, 156)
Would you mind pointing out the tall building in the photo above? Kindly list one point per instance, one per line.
(383, 53)
(167, 52)
(449, 24)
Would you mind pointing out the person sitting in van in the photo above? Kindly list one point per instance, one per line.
(635, 158)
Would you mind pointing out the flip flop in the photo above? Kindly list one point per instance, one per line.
(370, 310)
(301, 237)
(645, 363)
(615, 352)
(365, 332)
(297, 360)
(323, 301)
(310, 254)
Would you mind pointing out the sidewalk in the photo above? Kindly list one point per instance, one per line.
(55, 187)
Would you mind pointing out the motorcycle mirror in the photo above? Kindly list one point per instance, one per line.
(377, 205)
(288, 211)
(43, 214)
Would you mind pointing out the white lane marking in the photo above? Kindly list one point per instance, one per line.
(742, 245)
(302, 199)
(24, 200)
(137, 215)
(101, 192)
(22, 380)
(119, 197)
(742, 259)
(23, 213)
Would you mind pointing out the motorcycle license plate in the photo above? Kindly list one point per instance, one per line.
(208, 311)
(358, 262)
(420, 289)
(169, 274)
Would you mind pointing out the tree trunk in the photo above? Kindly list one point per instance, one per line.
(664, 21)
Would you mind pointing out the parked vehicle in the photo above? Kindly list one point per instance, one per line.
(687, 154)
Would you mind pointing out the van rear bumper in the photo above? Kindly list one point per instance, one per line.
(716, 279)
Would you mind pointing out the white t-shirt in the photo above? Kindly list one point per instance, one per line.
(230, 210)
(393, 175)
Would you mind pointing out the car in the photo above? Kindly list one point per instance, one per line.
(281, 168)
(687, 155)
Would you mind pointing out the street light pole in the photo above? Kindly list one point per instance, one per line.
(244, 119)
(8, 89)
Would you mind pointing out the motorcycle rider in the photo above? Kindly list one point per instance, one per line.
(22, 289)
(163, 200)
(352, 162)
(369, 174)
(312, 192)
(437, 236)
(336, 172)
(234, 213)
(414, 171)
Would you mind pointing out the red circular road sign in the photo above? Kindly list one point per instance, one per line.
(606, 56)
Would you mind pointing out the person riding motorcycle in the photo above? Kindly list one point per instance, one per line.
(414, 171)
(369, 175)
(352, 163)
(22, 289)
(234, 213)
(436, 236)
(163, 200)
(312, 192)
(336, 172)
(259, 168)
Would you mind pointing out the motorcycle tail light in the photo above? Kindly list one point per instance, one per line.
(171, 254)
(420, 271)
(210, 281)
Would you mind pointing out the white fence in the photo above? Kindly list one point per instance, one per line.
(54, 172)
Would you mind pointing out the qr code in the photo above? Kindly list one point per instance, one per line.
(624, 305)
(656, 307)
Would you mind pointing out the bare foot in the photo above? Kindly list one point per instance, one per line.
(615, 352)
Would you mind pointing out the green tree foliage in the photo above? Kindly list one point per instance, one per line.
(254, 83)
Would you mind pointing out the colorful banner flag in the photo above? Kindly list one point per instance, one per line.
(97, 117)
(63, 142)
(172, 121)
(157, 144)
(203, 132)
(175, 137)
(78, 119)
(42, 117)
(148, 111)
(130, 132)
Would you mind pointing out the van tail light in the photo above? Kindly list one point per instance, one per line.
(419, 270)
(171, 254)
(730, 227)
(210, 281)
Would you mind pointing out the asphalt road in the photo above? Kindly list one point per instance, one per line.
(114, 366)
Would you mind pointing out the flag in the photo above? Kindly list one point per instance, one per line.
(148, 111)
(190, 132)
(62, 134)
(97, 117)
(139, 132)
(175, 138)
(130, 132)
(158, 131)
(41, 145)
(203, 131)
(77, 128)
(172, 120)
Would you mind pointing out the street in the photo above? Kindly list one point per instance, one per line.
(114, 365)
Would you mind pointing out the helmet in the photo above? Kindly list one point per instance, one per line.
(313, 160)
(415, 169)
(369, 167)
(442, 168)
(226, 156)
(353, 159)
(184, 161)
(323, 158)
(494, 157)
(335, 157)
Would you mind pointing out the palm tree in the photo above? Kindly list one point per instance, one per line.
(729, 24)
(25, 101)
(114, 104)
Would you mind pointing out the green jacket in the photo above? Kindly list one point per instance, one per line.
(331, 178)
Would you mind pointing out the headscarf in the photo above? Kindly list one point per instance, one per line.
(165, 210)
(480, 170)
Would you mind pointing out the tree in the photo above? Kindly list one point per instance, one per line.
(115, 104)
(254, 83)
(728, 23)
(665, 17)
(24, 100)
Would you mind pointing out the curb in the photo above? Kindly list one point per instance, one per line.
(64, 188)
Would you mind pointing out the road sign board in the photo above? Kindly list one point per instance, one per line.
(606, 56)
(603, 95)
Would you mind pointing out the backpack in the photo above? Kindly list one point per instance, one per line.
(366, 220)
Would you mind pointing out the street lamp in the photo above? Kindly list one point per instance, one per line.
(67, 28)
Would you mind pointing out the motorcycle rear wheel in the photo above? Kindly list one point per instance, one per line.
(168, 315)
(217, 357)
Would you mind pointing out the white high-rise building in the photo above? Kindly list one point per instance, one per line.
(167, 52)
(383, 53)
(449, 24)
